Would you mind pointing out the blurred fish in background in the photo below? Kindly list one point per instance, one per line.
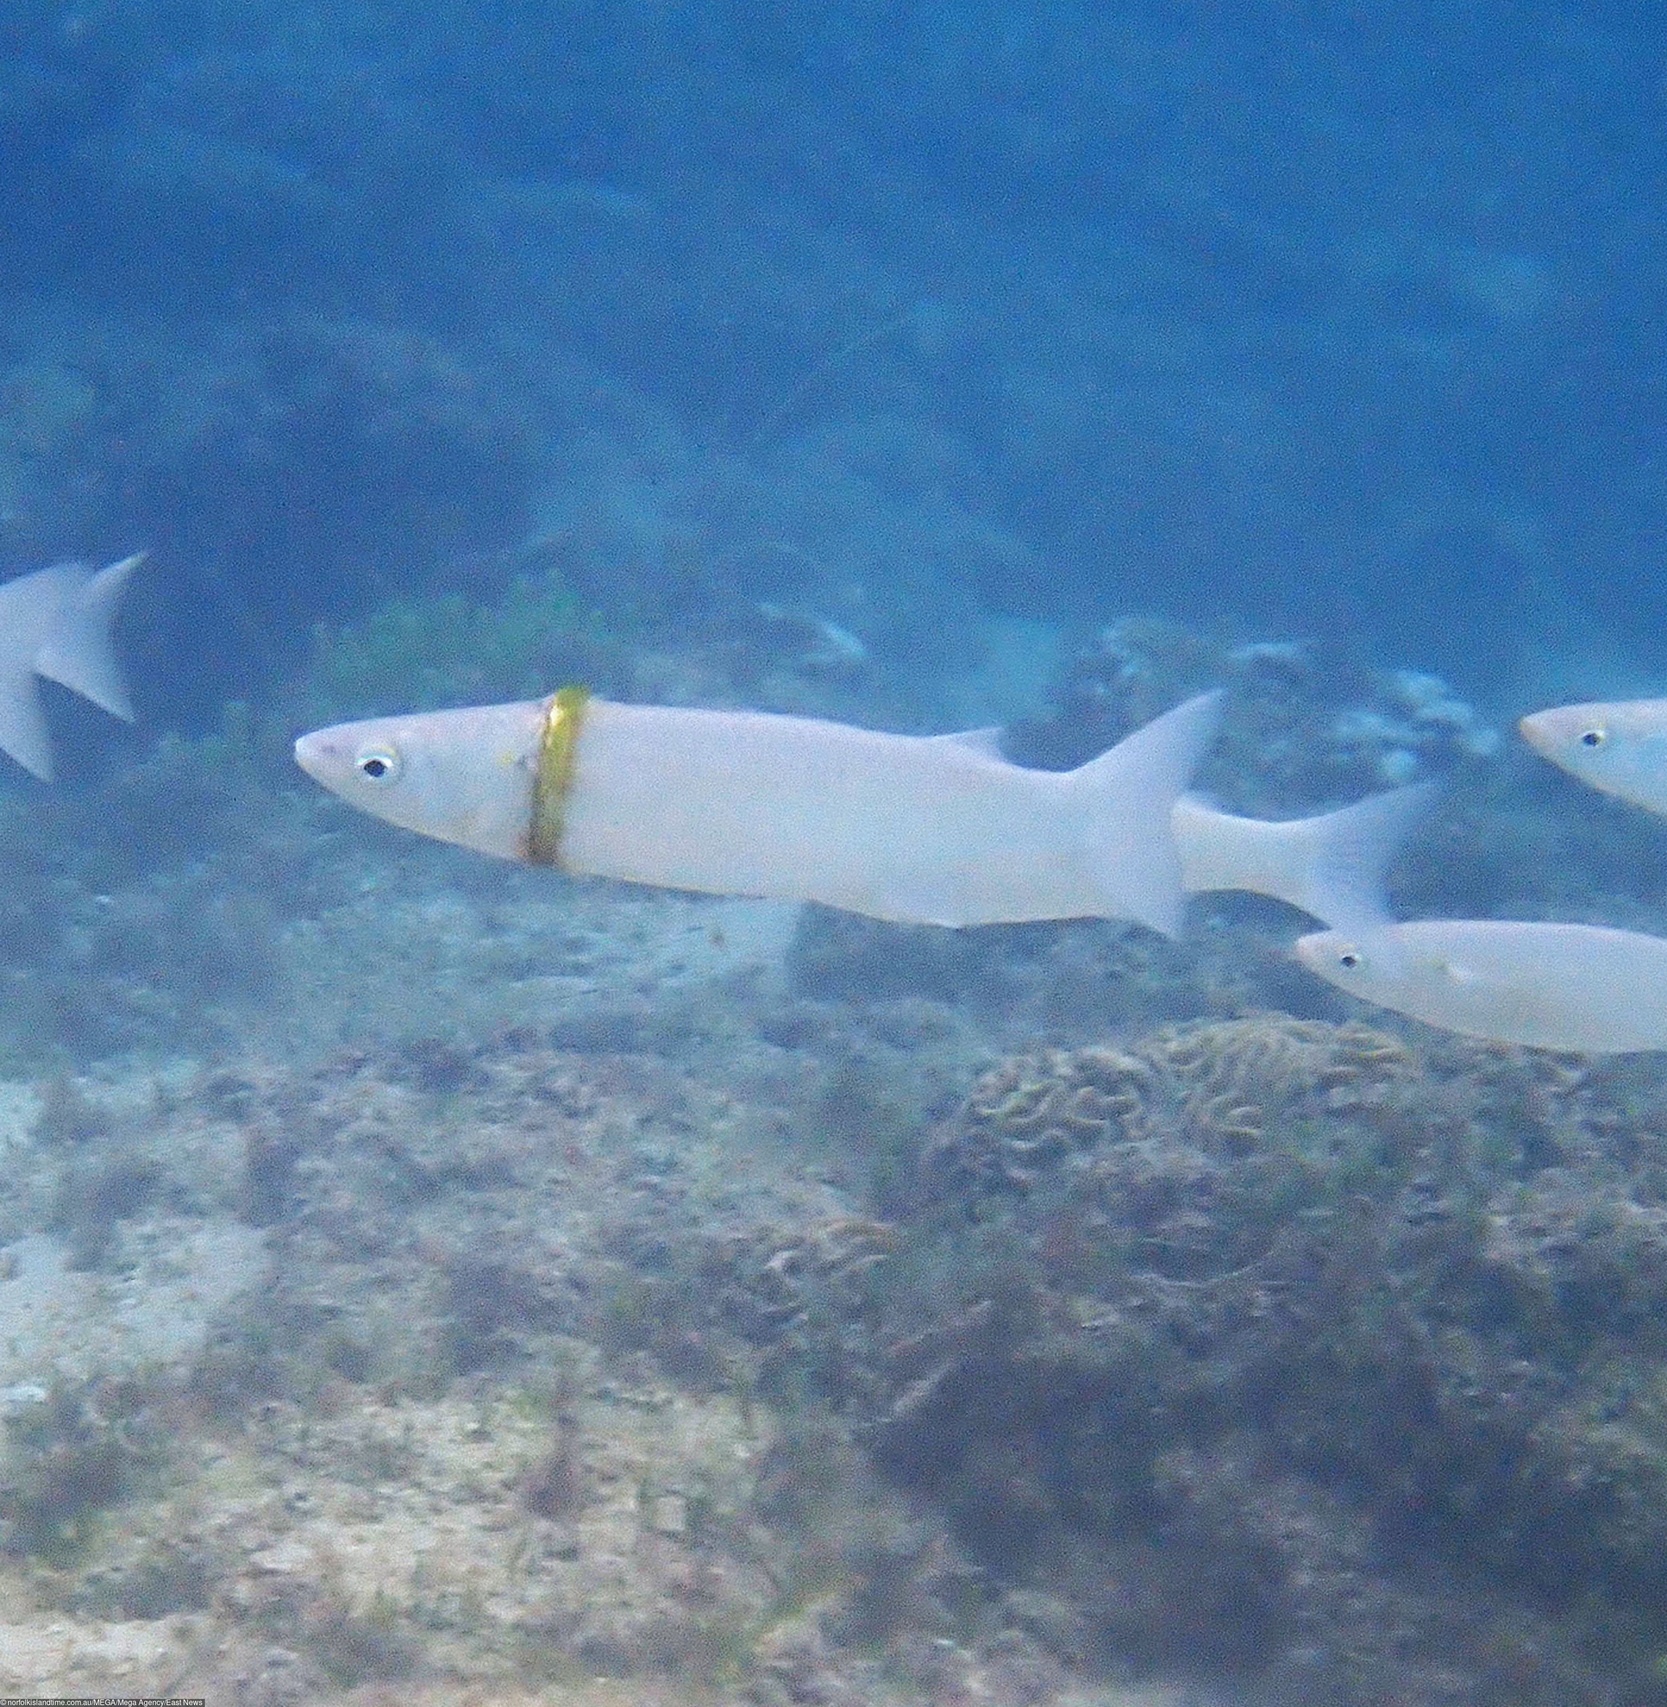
(57, 623)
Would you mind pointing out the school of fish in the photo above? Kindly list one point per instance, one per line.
(939, 830)
(944, 830)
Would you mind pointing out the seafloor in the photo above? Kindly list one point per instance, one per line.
(510, 1289)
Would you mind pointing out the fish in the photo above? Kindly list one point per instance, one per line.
(1330, 866)
(1618, 747)
(1590, 989)
(939, 830)
(56, 623)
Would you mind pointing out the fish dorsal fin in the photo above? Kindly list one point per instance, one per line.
(30, 607)
(986, 742)
(77, 652)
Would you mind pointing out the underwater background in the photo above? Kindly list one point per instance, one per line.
(424, 1280)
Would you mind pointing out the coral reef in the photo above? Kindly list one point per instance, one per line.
(1223, 1085)
(1251, 1347)
(1031, 1114)
(1298, 1262)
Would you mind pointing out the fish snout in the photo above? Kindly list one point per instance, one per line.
(1537, 729)
(319, 755)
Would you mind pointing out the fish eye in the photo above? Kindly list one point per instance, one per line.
(1593, 737)
(1349, 959)
(380, 764)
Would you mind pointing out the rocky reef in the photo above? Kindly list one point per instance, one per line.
(1240, 1358)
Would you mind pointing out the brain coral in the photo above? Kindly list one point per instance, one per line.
(1217, 1084)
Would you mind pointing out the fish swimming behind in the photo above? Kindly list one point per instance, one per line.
(56, 623)
(1551, 986)
(1618, 747)
(915, 829)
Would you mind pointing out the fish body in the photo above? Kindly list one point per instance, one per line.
(1551, 986)
(1619, 747)
(895, 827)
(56, 623)
(915, 829)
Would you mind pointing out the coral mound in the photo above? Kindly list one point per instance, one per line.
(1223, 1083)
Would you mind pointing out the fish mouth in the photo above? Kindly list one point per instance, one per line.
(312, 754)
(1535, 731)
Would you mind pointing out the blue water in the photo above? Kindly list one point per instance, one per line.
(1331, 317)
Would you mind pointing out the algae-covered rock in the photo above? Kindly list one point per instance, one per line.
(1151, 1282)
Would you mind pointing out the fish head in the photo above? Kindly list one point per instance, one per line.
(458, 776)
(1565, 732)
(1619, 747)
(1362, 963)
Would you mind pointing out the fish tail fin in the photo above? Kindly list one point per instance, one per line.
(77, 651)
(30, 607)
(1340, 859)
(22, 723)
(1129, 794)
(1331, 865)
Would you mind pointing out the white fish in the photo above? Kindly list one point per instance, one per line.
(916, 829)
(1551, 986)
(1331, 865)
(56, 623)
(77, 652)
(924, 830)
(1619, 747)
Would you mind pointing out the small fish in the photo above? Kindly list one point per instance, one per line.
(1550, 986)
(56, 623)
(1619, 747)
(915, 829)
